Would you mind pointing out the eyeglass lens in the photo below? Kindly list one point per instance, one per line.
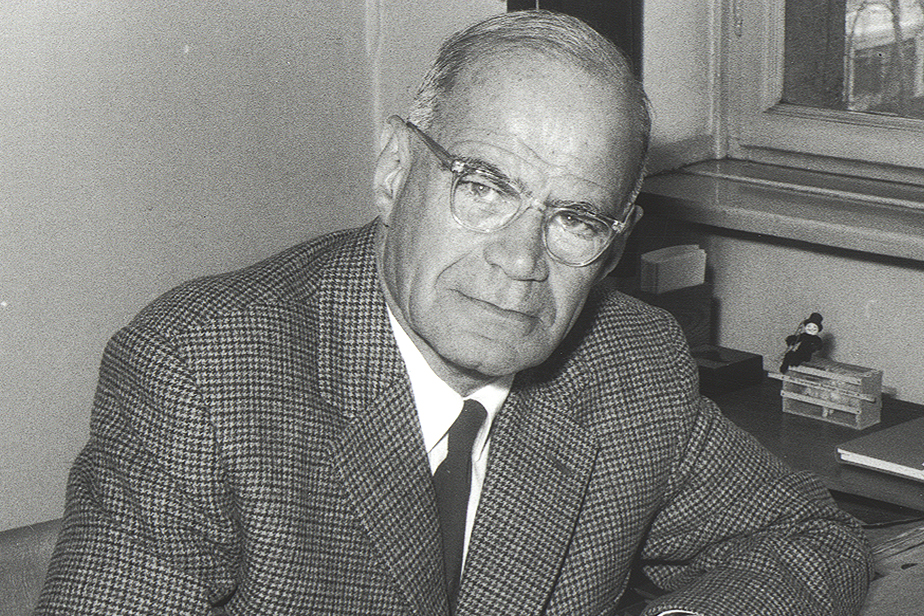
(485, 205)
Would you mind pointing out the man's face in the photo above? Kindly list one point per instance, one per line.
(811, 329)
(491, 304)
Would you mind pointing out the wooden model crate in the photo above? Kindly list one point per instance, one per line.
(834, 392)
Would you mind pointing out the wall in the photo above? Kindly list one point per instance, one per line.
(763, 287)
(145, 143)
(403, 37)
(679, 69)
(873, 308)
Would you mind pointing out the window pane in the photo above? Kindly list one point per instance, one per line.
(858, 55)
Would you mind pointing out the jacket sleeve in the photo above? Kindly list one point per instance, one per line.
(740, 533)
(147, 526)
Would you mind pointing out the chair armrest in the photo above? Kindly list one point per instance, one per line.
(24, 556)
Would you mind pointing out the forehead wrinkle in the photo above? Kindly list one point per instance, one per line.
(493, 170)
(522, 187)
(468, 135)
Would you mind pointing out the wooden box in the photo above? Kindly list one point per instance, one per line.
(838, 393)
(722, 369)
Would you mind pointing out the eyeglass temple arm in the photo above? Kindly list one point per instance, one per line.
(445, 158)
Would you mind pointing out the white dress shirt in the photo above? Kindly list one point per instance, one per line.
(438, 406)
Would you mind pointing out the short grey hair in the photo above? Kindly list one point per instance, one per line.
(555, 35)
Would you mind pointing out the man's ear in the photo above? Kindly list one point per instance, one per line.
(392, 166)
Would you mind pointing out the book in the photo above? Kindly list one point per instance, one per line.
(898, 450)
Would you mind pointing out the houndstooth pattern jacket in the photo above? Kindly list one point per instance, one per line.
(254, 450)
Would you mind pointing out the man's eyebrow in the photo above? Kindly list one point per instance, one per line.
(494, 171)
(584, 206)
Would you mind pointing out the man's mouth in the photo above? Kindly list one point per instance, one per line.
(518, 313)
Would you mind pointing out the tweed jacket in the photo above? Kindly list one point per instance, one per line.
(255, 449)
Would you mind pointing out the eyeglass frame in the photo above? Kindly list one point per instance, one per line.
(459, 167)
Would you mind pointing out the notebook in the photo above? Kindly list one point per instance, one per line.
(898, 450)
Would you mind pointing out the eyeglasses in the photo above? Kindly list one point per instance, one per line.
(484, 201)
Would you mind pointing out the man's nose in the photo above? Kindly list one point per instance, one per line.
(519, 248)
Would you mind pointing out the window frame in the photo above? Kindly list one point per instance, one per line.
(762, 129)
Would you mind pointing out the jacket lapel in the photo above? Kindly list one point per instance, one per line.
(380, 452)
(385, 472)
(540, 464)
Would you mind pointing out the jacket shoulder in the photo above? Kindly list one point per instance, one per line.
(624, 325)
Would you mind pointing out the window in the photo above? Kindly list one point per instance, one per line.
(835, 85)
(858, 55)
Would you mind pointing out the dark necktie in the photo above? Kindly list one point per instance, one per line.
(453, 482)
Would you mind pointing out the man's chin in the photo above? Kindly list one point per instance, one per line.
(499, 361)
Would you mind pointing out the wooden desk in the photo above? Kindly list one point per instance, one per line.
(810, 444)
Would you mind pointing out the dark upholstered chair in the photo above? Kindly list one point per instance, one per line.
(24, 556)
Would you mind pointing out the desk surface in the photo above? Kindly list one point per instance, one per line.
(810, 444)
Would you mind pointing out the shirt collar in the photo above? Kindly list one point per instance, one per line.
(438, 404)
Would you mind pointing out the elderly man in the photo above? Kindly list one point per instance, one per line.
(443, 412)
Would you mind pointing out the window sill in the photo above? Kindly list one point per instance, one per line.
(872, 216)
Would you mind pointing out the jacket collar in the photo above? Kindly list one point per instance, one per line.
(540, 464)
(380, 452)
(358, 360)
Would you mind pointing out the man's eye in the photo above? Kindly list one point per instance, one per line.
(578, 223)
(480, 188)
